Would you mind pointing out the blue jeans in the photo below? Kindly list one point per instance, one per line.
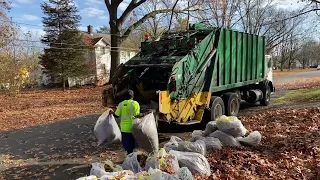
(128, 142)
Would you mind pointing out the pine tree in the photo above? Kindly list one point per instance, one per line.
(64, 56)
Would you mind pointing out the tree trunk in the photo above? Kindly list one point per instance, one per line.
(282, 64)
(289, 64)
(64, 83)
(303, 64)
(115, 55)
(115, 41)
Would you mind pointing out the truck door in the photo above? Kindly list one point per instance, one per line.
(269, 68)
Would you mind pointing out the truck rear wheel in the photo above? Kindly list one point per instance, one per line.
(217, 108)
(232, 104)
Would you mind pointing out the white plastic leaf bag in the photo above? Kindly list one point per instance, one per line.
(199, 146)
(123, 175)
(107, 129)
(225, 139)
(111, 167)
(184, 174)
(163, 161)
(210, 128)
(156, 174)
(88, 178)
(212, 143)
(132, 163)
(145, 133)
(196, 138)
(173, 144)
(164, 176)
(175, 139)
(142, 175)
(97, 170)
(253, 139)
(231, 125)
(197, 135)
(195, 162)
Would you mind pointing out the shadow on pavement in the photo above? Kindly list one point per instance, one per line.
(47, 150)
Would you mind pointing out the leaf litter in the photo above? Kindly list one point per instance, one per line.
(290, 148)
(35, 107)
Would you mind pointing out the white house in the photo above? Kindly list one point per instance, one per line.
(100, 57)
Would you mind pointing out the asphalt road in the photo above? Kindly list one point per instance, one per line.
(297, 76)
(47, 151)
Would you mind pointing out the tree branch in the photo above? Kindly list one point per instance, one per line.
(133, 4)
(146, 17)
(107, 4)
(119, 2)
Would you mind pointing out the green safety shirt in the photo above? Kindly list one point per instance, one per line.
(127, 110)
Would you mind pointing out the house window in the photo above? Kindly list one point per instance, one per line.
(128, 54)
(104, 50)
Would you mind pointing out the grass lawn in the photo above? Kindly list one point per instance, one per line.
(303, 95)
(287, 72)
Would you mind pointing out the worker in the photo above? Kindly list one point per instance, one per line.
(127, 110)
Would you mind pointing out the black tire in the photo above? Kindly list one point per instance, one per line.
(209, 115)
(217, 108)
(232, 104)
(266, 92)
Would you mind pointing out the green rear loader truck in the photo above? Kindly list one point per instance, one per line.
(196, 76)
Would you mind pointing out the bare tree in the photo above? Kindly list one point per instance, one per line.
(154, 26)
(116, 25)
(6, 26)
(219, 13)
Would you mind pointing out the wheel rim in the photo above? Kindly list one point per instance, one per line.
(233, 107)
(218, 111)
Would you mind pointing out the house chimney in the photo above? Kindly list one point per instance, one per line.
(90, 29)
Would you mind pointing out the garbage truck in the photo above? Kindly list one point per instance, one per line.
(196, 76)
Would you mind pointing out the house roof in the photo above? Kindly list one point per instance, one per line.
(93, 38)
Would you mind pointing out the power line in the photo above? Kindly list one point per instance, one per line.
(14, 22)
(78, 45)
(63, 48)
(1, 20)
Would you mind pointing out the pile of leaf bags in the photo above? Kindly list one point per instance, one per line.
(160, 166)
(226, 131)
(178, 159)
(170, 163)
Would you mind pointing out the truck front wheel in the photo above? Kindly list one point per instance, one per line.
(217, 108)
(266, 92)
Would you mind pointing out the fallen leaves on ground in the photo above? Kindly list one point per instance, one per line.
(304, 83)
(290, 148)
(287, 72)
(36, 107)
